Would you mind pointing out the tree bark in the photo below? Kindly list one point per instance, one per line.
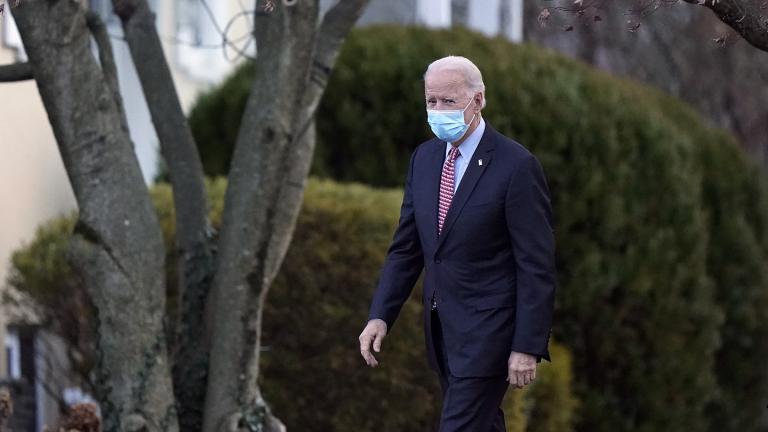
(749, 18)
(269, 168)
(194, 248)
(117, 245)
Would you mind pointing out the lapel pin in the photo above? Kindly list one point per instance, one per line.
(480, 162)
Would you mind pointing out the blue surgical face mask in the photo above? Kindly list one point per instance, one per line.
(448, 125)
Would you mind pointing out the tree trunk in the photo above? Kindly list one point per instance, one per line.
(269, 168)
(265, 188)
(117, 245)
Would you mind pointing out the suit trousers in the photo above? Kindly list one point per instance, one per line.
(470, 404)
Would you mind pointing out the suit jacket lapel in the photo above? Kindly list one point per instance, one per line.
(472, 174)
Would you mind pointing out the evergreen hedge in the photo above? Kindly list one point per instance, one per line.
(660, 220)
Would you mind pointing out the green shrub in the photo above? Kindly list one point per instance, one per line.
(312, 373)
(737, 201)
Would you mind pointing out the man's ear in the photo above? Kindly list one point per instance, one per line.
(479, 100)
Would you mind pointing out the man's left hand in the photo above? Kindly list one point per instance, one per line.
(521, 370)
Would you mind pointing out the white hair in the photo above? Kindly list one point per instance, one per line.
(473, 79)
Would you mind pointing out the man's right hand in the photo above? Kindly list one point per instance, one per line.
(374, 334)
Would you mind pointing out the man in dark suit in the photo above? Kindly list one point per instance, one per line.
(476, 216)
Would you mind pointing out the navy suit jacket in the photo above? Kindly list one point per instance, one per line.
(493, 265)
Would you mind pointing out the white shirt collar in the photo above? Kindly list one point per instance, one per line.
(467, 148)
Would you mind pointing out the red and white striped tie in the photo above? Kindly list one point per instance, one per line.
(446, 187)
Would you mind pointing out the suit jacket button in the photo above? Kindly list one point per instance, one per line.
(437, 260)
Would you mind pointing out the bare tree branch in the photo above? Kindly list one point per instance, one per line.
(335, 27)
(336, 24)
(195, 252)
(333, 30)
(749, 18)
(107, 60)
(106, 57)
(16, 72)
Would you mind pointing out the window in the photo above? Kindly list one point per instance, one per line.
(12, 354)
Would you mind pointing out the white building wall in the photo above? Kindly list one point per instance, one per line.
(483, 16)
(514, 28)
(434, 13)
